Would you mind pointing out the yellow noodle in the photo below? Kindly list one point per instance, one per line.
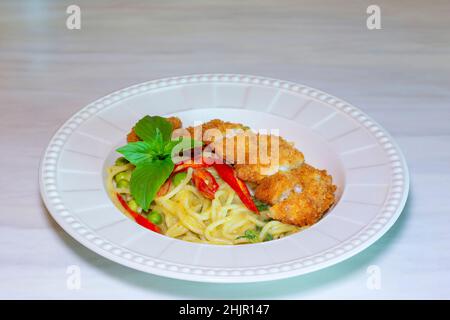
(176, 230)
(189, 216)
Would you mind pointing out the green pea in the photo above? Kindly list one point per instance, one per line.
(121, 161)
(178, 178)
(124, 175)
(155, 217)
(133, 205)
(122, 184)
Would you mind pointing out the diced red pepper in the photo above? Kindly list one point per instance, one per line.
(228, 175)
(205, 183)
(137, 217)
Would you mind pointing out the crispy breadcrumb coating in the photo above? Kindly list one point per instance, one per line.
(298, 197)
(256, 156)
(209, 131)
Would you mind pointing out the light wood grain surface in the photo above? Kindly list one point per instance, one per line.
(400, 75)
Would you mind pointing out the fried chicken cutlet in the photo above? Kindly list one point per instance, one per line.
(300, 196)
(298, 193)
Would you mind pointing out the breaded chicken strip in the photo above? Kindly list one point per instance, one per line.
(256, 156)
(176, 124)
(298, 197)
(215, 129)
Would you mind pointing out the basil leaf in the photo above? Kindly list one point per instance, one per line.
(168, 147)
(147, 128)
(137, 152)
(146, 180)
(157, 144)
(145, 151)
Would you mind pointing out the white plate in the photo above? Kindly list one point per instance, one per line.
(366, 164)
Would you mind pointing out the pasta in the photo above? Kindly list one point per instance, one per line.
(190, 216)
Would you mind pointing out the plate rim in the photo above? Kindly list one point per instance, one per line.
(52, 202)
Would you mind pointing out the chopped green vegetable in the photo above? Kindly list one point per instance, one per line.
(178, 178)
(260, 205)
(155, 217)
(133, 205)
(121, 161)
(251, 235)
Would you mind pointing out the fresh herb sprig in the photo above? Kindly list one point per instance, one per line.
(152, 157)
(253, 235)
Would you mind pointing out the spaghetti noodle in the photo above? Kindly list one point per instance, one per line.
(190, 216)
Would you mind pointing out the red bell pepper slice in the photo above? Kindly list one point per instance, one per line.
(194, 164)
(137, 217)
(228, 175)
(205, 183)
(183, 166)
